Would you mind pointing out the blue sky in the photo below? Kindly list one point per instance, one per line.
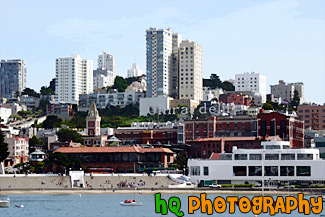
(284, 40)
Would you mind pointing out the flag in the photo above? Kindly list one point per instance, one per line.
(285, 102)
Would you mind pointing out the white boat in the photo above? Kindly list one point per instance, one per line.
(5, 203)
(130, 203)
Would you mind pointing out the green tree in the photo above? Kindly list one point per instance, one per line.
(215, 82)
(78, 120)
(46, 91)
(296, 100)
(52, 84)
(4, 153)
(33, 142)
(267, 106)
(30, 92)
(226, 85)
(16, 117)
(42, 105)
(120, 84)
(69, 135)
(58, 162)
(51, 122)
(181, 161)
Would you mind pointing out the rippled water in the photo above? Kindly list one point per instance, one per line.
(100, 205)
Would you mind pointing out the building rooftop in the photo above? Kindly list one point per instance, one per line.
(118, 149)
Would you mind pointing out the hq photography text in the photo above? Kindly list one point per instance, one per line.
(256, 205)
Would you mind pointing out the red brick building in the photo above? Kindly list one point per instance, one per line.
(133, 135)
(121, 158)
(210, 127)
(237, 99)
(313, 115)
(287, 127)
(205, 147)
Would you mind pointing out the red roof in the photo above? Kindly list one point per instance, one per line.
(126, 149)
(215, 156)
(251, 138)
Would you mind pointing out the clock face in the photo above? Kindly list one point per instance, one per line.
(91, 123)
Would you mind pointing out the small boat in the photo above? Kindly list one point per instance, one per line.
(5, 203)
(130, 203)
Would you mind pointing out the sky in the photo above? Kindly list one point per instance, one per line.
(284, 40)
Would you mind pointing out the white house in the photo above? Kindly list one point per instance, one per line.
(5, 112)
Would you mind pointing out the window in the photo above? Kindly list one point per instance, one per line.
(305, 156)
(271, 171)
(303, 171)
(288, 157)
(195, 171)
(287, 171)
(255, 157)
(206, 171)
(240, 156)
(239, 171)
(255, 171)
(271, 157)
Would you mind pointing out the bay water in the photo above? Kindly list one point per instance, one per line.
(101, 205)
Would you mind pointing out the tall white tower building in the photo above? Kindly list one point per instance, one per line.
(255, 82)
(105, 73)
(74, 76)
(134, 71)
(107, 61)
(159, 62)
(190, 71)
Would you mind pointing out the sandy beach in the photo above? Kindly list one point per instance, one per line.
(166, 191)
(113, 185)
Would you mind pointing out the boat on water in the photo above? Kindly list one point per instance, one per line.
(130, 203)
(5, 203)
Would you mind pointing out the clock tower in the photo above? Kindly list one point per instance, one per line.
(93, 121)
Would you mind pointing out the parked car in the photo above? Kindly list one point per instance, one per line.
(215, 186)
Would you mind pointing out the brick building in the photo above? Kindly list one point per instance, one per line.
(205, 147)
(288, 128)
(210, 127)
(171, 134)
(313, 115)
(122, 158)
(237, 99)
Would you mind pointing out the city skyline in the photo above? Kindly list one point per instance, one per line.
(281, 39)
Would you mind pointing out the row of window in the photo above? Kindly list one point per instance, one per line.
(257, 171)
(274, 157)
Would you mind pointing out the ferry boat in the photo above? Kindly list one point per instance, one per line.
(274, 165)
(5, 203)
(130, 203)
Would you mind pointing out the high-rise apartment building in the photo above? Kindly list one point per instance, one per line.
(286, 90)
(106, 61)
(254, 82)
(177, 39)
(12, 77)
(134, 71)
(105, 73)
(159, 62)
(74, 76)
(190, 71)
